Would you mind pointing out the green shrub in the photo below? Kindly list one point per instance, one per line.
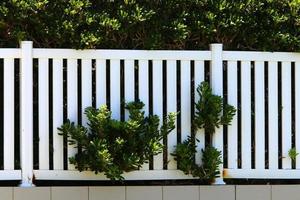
(138, 24)
(211, 159)
(113, 146)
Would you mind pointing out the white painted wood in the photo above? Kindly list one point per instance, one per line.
(115, 90)
(262, 173)
(129, 83)
(26, 115)
(259, 115)
(122, 54)
(286, 114)
(171, 107)
(216, 69)
(8, 115)
(185, 110)
(260, 56)
(233, 128)
(158, 104)
(86, 88)
(297, 112)
(10, 53)
(199, 78)
(273, 114)
(72, 99)
(144, 91)
(88, 175)
(100, 82)
(10, 175)
(43, 81)
(246, 114)
(57, 98)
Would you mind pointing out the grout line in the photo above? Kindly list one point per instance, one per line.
(13, 191)
(235, 192)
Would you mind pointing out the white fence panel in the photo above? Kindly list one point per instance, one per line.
(265, 95)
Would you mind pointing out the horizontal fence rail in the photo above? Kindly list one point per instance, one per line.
(41, 88)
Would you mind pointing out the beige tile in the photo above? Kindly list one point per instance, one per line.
(285, 192)
(181, 192)
(144, 193)
(107, 193)
(33, 193)
(214, 192)
(6, 193)
(69, 193)
(250, 192)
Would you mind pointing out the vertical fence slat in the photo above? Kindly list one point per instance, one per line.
(233, 128)
(57, 113)
(144, 91)
(185, 99)
(259, 115)
(199, 78)
(246, 114)
(43, 83)
(171, 107)
(286, 114)
(129, 83)
(86, 87)
(158, 103)
(72, 99)
(273, 114)
(297, 111)
(8, 138)
(115, 90)
(100, 82)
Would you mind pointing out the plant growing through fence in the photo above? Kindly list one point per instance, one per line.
(114, 147)
(211, 113)
(293, 154)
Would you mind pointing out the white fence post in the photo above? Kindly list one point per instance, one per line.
(26, 106)
(216, 72)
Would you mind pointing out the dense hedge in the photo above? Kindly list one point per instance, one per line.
(152, 24)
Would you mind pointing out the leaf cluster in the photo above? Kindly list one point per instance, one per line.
(114, 147)
(211, 112)
(211, 159)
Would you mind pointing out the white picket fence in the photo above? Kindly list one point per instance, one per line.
(264, 125)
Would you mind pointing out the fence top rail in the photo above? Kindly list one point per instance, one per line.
(10, 53)
(122, 54)
(260, 56)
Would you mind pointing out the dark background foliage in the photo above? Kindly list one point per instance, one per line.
(152, 24)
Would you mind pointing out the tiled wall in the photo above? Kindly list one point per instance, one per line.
(227, 192)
